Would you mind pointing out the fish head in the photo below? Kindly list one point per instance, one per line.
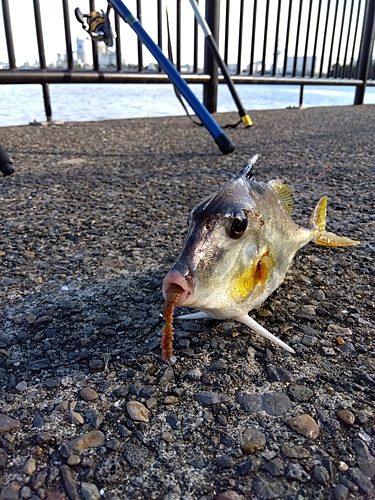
(218, 267)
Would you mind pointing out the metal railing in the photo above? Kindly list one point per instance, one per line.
(300, 42)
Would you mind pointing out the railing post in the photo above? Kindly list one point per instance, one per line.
(212, 14)
(365, 50)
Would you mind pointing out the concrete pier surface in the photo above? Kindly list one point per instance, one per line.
(90, 222)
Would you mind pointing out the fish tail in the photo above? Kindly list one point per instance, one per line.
(317, 222)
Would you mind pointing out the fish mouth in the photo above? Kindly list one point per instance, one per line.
(176, 282)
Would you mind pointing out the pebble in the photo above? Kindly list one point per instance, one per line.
(361, 479)
(88, 394)
(339, 330)
(92, 439)
(170, 400)
(255, 440)
(346, 416)
(229, 495)
(8, 423)
(167, 437)
(341, 492)
(30, 467)
(366, 461)
(10, 491)
(21, 386)
(279, 374)
(305, 425)
(273, 403)
(94, 417)
(209, 398)
(300, 393)
(69, 484)
(321, 474)
(89, 491)
(137, 411)
(295, 451)
(73, 460)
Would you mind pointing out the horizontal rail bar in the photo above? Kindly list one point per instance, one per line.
(30, 76)
(38, 76)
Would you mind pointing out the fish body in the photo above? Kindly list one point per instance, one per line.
(240, 245)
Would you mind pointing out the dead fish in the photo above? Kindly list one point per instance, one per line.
(241, 242)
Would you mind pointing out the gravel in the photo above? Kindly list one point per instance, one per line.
(90, 222)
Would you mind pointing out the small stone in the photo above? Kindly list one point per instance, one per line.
(56, 496)
(26, 492)
(225, 462)
(254, 439)
(69, 484)
(21, 386)
(194, 373)
(366, 461)
(30, 467)
(88, 394)
(309, 310)
(341, 492)
(10, 491)
(275, 467)
(295, 451)
(328, 351)
(92, 439)
(346, 416)
(250, 402)
(76, 418)
(90, 491)
(275, 403)
(279, 374)
(361, 479)
(151, 403)
(51, 383)
(342, 466)
(167, 437)
(137, 411)
(170, 400)
(94, 417)
(73, 460)
(340, 341)
(96, 364)
(339, 330)
(209, 398)
(296, 472)
(229, 495)
(321, 475)
(8, 423)
(305, 425)
(300, 393)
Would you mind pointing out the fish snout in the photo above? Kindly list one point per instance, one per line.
(180, 279)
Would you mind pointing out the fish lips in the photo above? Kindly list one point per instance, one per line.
(183, 283)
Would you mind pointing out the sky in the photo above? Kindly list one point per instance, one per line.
(25, 45)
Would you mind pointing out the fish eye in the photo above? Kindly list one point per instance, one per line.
(238, 227)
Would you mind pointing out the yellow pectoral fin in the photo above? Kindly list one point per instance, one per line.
(244, 283)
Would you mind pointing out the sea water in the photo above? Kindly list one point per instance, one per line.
(22, 104)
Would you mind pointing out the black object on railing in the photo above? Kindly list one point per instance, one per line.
(367, 44)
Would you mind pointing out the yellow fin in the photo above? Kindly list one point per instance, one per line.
(318, 221)
(285, 193)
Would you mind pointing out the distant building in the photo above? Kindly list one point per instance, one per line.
(106, 57)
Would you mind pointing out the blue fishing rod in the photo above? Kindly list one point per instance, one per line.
(225, 144)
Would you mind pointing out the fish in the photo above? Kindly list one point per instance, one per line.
(240, 245)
